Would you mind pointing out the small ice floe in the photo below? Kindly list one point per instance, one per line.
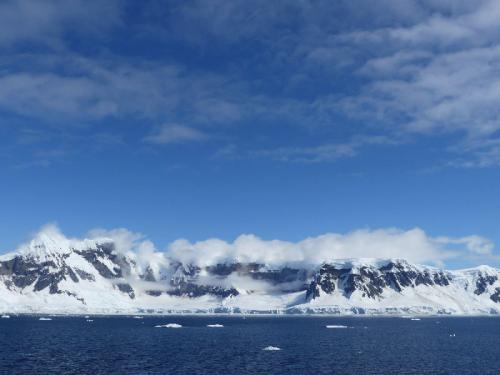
(415, 318)
(137, 317)
(86, 317)
(452, 335)
(336, 326)
(170, 325)
(5, 316)
(45, 319)
(271, 348)
(90, 320)
(215, 326)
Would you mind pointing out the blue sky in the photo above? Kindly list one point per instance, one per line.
(285, 119)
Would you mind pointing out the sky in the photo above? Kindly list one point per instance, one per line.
(199, 121)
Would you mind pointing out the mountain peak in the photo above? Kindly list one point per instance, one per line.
(49, 242)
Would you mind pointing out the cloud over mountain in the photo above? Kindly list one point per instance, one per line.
(413, 245)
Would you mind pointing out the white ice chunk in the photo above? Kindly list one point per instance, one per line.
(271, 348)
(170, 325)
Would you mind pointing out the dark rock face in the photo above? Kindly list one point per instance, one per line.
(496, 296)
(223, 269)
(154, 293)
(441, 279)
(260, 272)
(28, 272)
(368, 281)
(84, 275)
(187, 282)
(24, 272)
(372, 281)
(126, 288)
(106, 251)
(148, 275)
(482, 282)
(193, 290)
(326, 279)
(289, 279)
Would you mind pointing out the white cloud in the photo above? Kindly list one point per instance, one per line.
(175, 133)
(424, 67)
(329, 152)
(125, 241)
(435, 77)
(475, 244)
(47, 21)
(413, 245)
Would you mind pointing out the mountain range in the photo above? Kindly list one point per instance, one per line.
(52, 274)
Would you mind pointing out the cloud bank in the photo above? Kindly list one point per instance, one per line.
(413, 245)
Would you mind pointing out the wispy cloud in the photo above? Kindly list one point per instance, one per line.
(175, 133)
(322, 153)
(329, 152)
(435, 77)
(412, 70)
(46, 22)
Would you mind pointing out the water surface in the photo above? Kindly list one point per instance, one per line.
(121, 345)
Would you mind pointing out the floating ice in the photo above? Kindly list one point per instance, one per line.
(45, 319)
(137, 317)
(170, 325)
(336, 326)
(452, 335)
(271, 348)
(90, 320)
(5, 316)
(215, 325)
(415, 318)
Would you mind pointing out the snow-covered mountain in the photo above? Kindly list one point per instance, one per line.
(53, 274)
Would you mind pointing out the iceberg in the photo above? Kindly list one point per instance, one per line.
(170, 325)
(271, 348)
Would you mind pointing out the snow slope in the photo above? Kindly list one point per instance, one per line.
(53, 274)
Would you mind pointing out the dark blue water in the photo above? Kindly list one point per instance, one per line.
(120, 345)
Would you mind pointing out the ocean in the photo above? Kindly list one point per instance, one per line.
(244, 345)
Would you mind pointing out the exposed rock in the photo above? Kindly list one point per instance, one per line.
(496, 296)
(126, 288)
(482, 283)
